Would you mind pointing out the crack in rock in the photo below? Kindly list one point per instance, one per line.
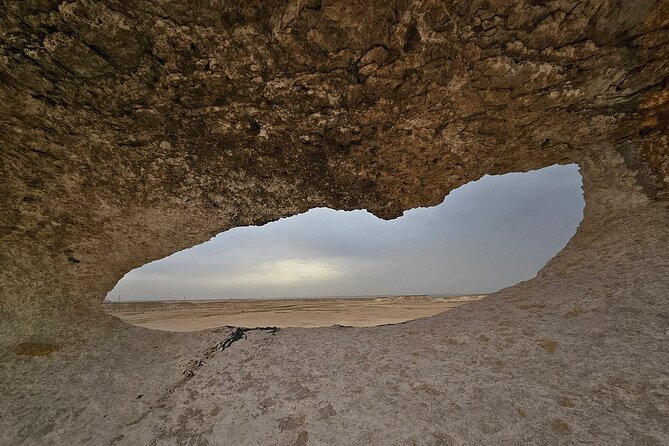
(237, 334)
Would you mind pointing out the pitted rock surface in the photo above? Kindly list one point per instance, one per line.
(130, 130)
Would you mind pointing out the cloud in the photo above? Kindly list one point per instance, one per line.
(279, 273)
(486, 235)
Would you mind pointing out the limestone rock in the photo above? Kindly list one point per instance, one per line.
(130, 130)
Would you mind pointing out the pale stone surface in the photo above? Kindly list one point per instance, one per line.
(130, 130)
(282, 313)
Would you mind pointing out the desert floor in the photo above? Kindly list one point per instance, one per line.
(357, 312)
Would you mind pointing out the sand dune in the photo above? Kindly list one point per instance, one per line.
(359, 312)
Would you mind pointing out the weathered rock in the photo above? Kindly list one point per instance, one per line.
(130, 130)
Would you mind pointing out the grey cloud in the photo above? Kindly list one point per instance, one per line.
(484, 236)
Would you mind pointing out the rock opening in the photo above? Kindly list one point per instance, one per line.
(327, 268)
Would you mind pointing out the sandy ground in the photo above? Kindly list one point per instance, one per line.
(356, 312)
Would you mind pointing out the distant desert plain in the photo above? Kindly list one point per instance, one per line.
(313, 312)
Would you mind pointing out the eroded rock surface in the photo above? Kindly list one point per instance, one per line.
(130, 130)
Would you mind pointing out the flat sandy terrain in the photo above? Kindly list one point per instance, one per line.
(358, 312)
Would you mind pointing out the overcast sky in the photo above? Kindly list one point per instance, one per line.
(486, 235)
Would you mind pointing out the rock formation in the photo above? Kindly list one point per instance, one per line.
(133, 129)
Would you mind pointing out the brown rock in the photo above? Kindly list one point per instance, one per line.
(131, 130)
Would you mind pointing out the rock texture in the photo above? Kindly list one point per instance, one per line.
(130, 130)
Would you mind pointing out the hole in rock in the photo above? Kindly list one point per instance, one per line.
(327, 267)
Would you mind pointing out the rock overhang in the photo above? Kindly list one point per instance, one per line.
(133, 130)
